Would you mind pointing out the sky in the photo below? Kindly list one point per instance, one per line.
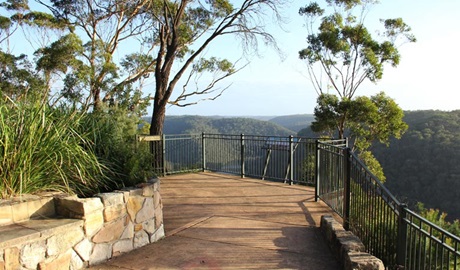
(425, 79)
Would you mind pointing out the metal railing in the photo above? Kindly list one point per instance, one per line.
(287, 159)
(389, 230)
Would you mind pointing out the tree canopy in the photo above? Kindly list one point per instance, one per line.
(341, 55)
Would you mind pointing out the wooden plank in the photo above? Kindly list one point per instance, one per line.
(149, 138)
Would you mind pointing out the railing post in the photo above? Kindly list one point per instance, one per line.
(291, 160)
(163, 141)
(203, 151)
(317, 170)
(347, 186)
(242, 155)
(402, 237)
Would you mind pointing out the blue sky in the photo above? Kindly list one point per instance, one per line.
(425, 79)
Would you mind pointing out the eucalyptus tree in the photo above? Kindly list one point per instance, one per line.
(98, 56)
(341, 55)
(185, 29)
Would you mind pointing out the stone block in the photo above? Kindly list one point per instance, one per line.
(157, 200)
(122, 246)
(133, 192)
(61, 262)
(113, 212)
(362, 261)
(77, 207)
(6, 215)
(134, 205)
(125, 195)
(129, 231)
(149, 226)
(32, 254)
(93, 223)
(138, 227)
(61, 242)
(43, 207)
(147, 211)
(141, 239)
(101, 253)
(148, 190)
(111, 198)
(11, 258)
(158, 217)
(84, 249)
(110, 232)
(20, 212)
(157, 235)
(76, 261)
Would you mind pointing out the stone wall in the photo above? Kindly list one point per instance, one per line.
(83, 232)
(347, 247)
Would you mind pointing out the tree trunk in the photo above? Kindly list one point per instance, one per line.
(156, 128)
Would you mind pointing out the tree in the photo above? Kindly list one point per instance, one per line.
(341, 55)
(185, 30)
(86, 54)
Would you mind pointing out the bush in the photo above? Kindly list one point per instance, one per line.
(42, 150)
(113, 132)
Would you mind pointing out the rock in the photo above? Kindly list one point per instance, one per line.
(111, 198)
(122, 246)
(32, 254)
(58, 243)
(110, 232)
(101, 253)
(129, 231)
(157, 235)
(93, 223)
(76, 261)
(134, 205)
(11, 257)
(141, 239)
(62, 262)
(113, 212)
(84, 249)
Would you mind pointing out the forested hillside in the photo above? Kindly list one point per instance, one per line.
(294, 122)
(199, 124)
(424, 166)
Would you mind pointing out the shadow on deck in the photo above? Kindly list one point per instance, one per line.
(217, 221)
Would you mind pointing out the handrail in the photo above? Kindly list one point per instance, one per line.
(389, 230)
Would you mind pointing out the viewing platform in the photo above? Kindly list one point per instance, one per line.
(220, 221)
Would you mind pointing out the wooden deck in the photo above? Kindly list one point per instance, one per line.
(218, 221)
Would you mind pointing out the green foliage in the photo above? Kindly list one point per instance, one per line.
(41, 150)
(199, 124)
(294, 122)
(366, 120)
(113, 133)
(344, 49)
(17, 77)
(423, 165)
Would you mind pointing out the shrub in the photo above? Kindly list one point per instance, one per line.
(113, 132)
(42, 150)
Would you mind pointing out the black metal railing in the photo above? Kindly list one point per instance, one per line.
(389, 230)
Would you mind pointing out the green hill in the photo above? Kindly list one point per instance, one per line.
(294, 122)
(199, 124)
(424, 165)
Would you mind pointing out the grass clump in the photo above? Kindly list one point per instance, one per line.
(44, 149)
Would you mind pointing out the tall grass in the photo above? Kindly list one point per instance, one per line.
(41, 150)
(113, 131)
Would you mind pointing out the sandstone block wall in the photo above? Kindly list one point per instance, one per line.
(347, 247)
(84, 232)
